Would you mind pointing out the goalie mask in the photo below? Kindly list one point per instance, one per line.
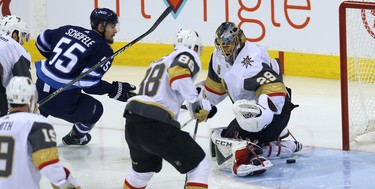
(189, 39)
(13, 24)
(21, 90)
(229, 39)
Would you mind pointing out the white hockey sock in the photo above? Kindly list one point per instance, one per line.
(137, 180)
(198, 177)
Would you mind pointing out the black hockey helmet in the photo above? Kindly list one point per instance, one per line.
(102, 15)
(228, 34)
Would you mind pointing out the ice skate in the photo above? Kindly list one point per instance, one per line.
(73, 139)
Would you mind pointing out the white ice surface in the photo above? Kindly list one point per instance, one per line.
(105, 161)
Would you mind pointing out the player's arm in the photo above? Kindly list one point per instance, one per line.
(99, 51)
(117, 90)
(182, 72)
(267, 82)
(22, 67)
(43, 43)
(271, 93)
(42, 139)
(214, 89)
(102, 87)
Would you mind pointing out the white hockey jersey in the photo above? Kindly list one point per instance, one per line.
(10, 52)
(168, 82)
(27, 147)
(251, 75)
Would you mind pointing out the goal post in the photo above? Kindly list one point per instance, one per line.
(357, 71)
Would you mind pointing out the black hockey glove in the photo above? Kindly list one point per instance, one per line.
(212, 112)
(122, 91)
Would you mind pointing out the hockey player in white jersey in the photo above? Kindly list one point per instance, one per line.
(152, 131)
(261, 104)
(14, 59)
(28, 143)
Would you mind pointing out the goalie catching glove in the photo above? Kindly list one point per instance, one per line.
(253, 116)
(122, 91)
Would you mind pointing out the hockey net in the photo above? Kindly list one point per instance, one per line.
(357, 65)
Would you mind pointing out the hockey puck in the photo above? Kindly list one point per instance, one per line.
(290, 160)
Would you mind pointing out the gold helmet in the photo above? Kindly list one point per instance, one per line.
(229, 38)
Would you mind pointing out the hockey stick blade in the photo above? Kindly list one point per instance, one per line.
(184, 107)
(96, 66)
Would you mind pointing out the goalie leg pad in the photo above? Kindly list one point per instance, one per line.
(223, 149)
(248, 160)
(283, 149)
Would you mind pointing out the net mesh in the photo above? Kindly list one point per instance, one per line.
(361, 73)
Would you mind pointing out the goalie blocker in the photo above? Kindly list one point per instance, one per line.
(241, 157)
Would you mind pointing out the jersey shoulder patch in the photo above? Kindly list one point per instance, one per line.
(265, 76)
(42, 135)
(186, 60)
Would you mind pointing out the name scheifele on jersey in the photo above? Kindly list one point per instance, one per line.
(80, 37)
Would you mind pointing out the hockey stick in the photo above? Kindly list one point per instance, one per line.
(96, 66)
(195, 129)
(190, 120)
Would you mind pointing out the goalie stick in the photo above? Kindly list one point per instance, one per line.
(96, 66)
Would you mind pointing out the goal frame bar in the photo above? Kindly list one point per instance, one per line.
(343, 65)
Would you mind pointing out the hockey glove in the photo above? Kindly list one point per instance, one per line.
(212, 112)
(68, 183)
(200, 110)
(201, 115)
(248, 115)
(122, 91)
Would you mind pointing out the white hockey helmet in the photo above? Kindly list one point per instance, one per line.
(189, 39)
(21, 90)
(11, 23)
